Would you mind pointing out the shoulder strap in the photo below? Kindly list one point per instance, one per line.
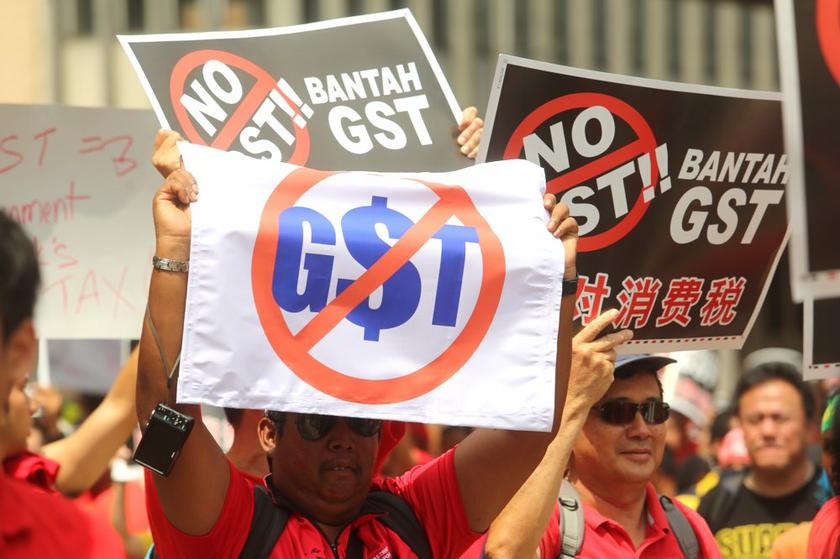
(681, 528)
(267, 525)
(572, 525)
(398, 515)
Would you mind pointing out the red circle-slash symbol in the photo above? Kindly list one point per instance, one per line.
(828, 34)
(294, 349)
(244, 111)
(645, 143)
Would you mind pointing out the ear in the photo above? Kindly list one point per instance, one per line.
(267, 433)
(19, 352)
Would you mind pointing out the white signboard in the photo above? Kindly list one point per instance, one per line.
(80, 182)
(420, 297)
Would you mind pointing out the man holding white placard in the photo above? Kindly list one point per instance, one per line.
(322, 467)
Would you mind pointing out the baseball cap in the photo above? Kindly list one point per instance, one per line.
(627, 363)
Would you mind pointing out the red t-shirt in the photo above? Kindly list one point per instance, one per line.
(101, 504)
(37, 524)
(606, 538)
(431, 490)
(825, 531)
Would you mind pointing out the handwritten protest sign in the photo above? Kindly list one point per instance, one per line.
(355, 93)
(678, 191)
(79, 182)
(821, 351)
(430, 297)
(809, 57)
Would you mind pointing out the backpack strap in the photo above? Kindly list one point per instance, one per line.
(398, 516)
(572, 525)
(355, 548)
(267, 525)
(681, 528)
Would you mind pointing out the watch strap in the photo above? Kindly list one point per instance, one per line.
(569, 286)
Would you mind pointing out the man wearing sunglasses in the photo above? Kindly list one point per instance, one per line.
(322, 468)
(617, 446)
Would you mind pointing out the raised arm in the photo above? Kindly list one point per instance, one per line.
(491, 464)
(193, 494)
(516, 532)
(85, 454)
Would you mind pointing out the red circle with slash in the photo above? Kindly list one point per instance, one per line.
(294, 349)
(244, 111)
(828, 34)
(646, 143)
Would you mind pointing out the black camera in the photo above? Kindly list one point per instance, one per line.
(163, 439)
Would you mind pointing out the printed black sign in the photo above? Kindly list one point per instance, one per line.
(809, 53)
(362, 93)
(678, 190)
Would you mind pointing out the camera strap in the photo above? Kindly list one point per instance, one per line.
(164, 361)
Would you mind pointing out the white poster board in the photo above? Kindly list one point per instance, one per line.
(427, 297)
(81, 183)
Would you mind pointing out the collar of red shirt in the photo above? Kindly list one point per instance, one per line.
(32, 468)
(657, 521)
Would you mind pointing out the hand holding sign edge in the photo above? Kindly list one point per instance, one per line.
(165, 155)
(565, 228)
(171, 211)
(593, 361)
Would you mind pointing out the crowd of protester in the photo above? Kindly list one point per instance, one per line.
(623, 474)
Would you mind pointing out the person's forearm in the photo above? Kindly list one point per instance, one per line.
(167, 300)
(516, 532)
(84, 455)
(563, 363)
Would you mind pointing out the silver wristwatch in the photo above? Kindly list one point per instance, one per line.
(169, 265)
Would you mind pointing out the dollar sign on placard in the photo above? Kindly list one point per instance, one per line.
(400, 292)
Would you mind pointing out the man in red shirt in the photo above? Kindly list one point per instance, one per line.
(33, 523)
(618, 444)
(322, 467)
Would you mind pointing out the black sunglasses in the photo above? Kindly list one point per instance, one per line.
(313, 427)
(622, 412)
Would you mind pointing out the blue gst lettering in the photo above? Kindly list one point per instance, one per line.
(287, 264)
(400, 294)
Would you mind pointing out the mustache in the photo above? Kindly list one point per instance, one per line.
(341, 463)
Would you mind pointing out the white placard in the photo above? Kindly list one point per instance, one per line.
(420, 297)
(80, 182)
